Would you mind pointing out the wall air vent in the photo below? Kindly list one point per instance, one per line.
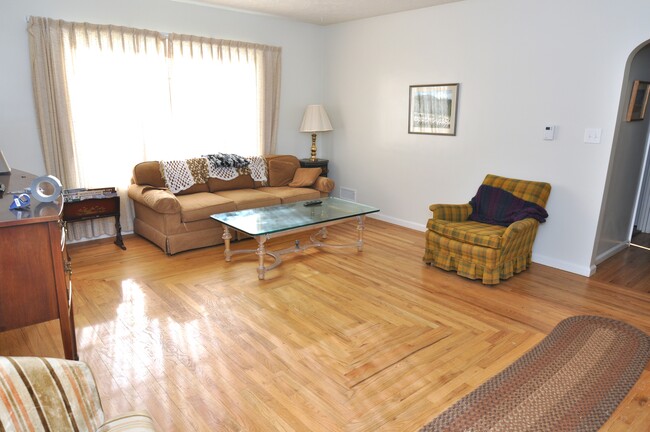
(348, 194)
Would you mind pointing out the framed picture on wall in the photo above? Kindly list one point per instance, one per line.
(638, 100)
(432, 109)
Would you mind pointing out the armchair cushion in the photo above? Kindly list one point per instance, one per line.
(48, 394)
(474, 233)
(59, 395)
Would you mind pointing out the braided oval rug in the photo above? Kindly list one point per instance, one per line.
(573, 380)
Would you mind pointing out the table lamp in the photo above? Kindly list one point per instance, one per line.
(315, 120)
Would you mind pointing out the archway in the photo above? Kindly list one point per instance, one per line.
(627, 160)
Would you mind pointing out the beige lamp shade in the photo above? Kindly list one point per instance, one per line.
(315, 119)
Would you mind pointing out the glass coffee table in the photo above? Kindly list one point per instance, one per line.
(268, 222)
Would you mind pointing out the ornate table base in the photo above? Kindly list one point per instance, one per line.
(261, 250)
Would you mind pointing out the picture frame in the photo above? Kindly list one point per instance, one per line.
(433, 109)
(638, 100)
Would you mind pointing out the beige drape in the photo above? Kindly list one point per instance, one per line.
(52, 52)
(51, 98)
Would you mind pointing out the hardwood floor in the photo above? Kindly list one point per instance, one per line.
(332, 340)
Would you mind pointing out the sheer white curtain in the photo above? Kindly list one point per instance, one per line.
(109, 97)
(214, 100)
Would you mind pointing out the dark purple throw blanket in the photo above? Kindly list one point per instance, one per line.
(499, 207)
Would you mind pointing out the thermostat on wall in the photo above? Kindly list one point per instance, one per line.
(549, 133)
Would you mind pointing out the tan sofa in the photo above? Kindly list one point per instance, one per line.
(180, 222)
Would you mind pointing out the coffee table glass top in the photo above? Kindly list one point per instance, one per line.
(284, 217)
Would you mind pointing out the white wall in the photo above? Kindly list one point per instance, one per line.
(302, 60)
(521, 65)
(625, 167)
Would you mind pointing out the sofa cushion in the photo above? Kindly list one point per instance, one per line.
(281, 172)
(201, 205)
(239, 182)
(148, 173)
(475, 233)
(197, 188)
(305, 177)
(249, 198)
(291, 194)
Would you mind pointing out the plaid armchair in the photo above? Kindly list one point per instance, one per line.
(47, 394)
(478, 250)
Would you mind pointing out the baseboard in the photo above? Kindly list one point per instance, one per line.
(400, 222)
(564, 265)
(611, 252)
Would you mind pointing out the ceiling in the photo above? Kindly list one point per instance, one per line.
(322, 12)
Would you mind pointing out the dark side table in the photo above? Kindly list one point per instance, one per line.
(318, 163)
(95, 208)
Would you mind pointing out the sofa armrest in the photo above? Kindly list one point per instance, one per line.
(451, 212)
(324, 184)
(157, 199)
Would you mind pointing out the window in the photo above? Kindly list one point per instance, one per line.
(109, 97)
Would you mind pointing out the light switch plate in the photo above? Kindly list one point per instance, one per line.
(592, 135)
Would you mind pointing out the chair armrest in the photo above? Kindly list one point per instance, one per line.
(159, 200)
(451, 212)
(519, 228)
(48, 393)
(518, 237)
(323, 184)
(134, 421)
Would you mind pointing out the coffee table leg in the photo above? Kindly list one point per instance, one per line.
(360, 228)
(226, 240)
(261, 252)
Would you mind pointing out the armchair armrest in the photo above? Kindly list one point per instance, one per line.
(159, 200)
(518, 236)
(48, 393)
(324, 184)
(519, 228)
(451, 212)
(133, 421)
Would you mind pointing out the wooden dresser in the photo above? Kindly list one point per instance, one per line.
(35, 283)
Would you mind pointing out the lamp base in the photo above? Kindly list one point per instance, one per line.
(313, 148)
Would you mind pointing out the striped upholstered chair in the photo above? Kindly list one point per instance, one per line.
(46, 394)
(478, 250)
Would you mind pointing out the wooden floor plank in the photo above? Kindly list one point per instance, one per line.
(332, 340)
